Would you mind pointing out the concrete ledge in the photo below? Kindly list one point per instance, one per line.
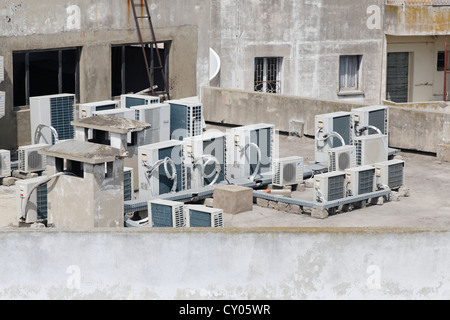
(303, 263)
(443, 152)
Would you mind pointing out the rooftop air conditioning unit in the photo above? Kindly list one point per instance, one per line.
(391, 173)
(370, 118)
(199, 216)
(5, 163)
(132, 100)
(288, 171)
(161, 169)
(251, 150)
(341, 158)
(186, 119)
(204, 159)
(128, 184)
(166, 214)
(329, 129)
(87, 110)
(56, 111)
(2, 104)
(360, 180)
(2, 69)
(119, 112)
(30, 160)
(158, 116)
(329, 186)
(35, 209)
(371, 149)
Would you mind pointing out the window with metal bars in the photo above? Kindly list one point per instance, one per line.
(268, 74)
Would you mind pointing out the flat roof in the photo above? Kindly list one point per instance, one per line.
(82, 151)
(111, 124)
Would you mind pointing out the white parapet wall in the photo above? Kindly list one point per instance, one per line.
(225, 264)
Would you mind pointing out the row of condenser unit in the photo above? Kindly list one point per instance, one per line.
(174, 214)
(353, 145)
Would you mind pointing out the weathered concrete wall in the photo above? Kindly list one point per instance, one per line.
(88, 202)
(417, 20)
(240, 107)
(226, 264)
(412, 126)
(309, 35)
(95, 27)
(415, 129)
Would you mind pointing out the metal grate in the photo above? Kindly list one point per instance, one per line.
(61, 116)
(179, 217)
(161, 216)
(127, 186)
(395, 179)
(366, 181)
(42, 203)
(218, 220)
(335, 188)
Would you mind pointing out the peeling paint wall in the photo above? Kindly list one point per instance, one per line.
(290, 264)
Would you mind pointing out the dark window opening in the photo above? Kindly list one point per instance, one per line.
(109, 170)
(100, 137)
(268, 74)
(76, 168)
(129, 74)
(38, 73)
(441, 61)
(349, 72)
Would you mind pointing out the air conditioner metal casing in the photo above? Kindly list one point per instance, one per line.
(391, 173)
(360, 180)
(30, 160)
(86, 110)
(158, 183)
(371, 149)
(166, 214)
(158, 116)
(288, 171)
(330, 186)
(130, 100)
(5, 163)
(2, 104)
(186, 119)
(341, 158)
(199, 216)
(339, 122)
(36, 209)
(209, 143)
(377, 116)
(242, 163)
(56, 111)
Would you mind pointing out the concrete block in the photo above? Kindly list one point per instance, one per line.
(281, 192)
(209, 202)
(309, 183)
(272, 204)
(403, 192)
(294, 208)
(319, 213)
(443, 152)
(9, 181)
(233, 199)
(377, 201)
(301, 187)
(281, 206)
(262, 202)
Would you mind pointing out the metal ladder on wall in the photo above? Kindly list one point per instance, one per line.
(446, 70)
(146, 15)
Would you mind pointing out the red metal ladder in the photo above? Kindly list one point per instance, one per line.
(146, 15)
(446, 70)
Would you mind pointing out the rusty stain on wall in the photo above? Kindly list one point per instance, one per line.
(428, 19)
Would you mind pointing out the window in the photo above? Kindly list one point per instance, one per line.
(38, 73)
(129, 73)
(441, 61)
(268, 74)
(349, 73)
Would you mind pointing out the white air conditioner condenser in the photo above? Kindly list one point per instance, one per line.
(166, 214)
(329, 186)
(341, 158)
(199, 216)
(391, 173)
(30, 160)
(360, 180)
(5, 163)
(371, 149)
(287, 171)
